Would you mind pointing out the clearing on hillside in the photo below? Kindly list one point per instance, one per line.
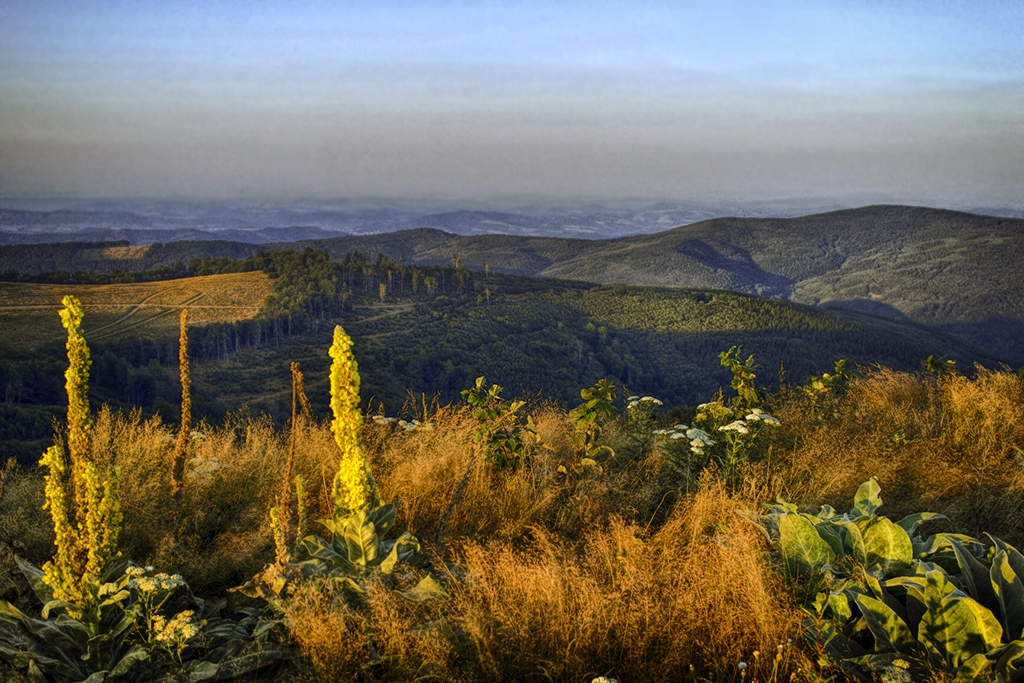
(28, 311)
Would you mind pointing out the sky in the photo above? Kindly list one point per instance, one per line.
(917, 101)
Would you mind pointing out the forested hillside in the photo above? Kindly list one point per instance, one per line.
(433, 329)
(952, 270)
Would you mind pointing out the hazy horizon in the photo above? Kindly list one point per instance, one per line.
(916, 102)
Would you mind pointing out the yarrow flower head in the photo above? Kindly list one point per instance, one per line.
(642, 402)
(699, 440)
(758, 415)
(155, 583)
(181, 628)
(738, 426)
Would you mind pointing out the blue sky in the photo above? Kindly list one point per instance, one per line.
(920, 101)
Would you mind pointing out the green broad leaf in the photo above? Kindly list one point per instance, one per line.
(203, 671)
(55, 636)
(831, 535)
(52, 605)
(10, 614)
(348, 582)
(1007, 657)
(135, 655)
(427, 589)
(34, 673)
(404, 547)
(803, 550)
(910, 523)
(978, 666)
(320, 548)
(867, 498)
(97, 677)
(890, 632)
(383, 516)
(784, 507)
(839, 604)
(361, 540)
(35, 579)
(887, 546)
(955, 627)
(939, 542)
(854, 541)
(117, 597)
(1009, 592)
(237, 659)
(975, 577)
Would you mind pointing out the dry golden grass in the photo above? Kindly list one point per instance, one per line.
(146, 309)
(949, 444)
(552, 576)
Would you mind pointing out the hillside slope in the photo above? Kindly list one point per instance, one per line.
(953, 270)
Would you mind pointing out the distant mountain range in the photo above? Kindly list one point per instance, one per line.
(144, 222)
(956, 271)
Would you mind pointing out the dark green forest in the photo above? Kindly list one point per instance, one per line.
(433, 329)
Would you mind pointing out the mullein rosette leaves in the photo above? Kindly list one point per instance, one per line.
(893, 604)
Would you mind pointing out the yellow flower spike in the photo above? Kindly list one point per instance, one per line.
(281, 554)
(58, 572)
(77, 386)
(353, 487)
(185, 427)
(86, 511)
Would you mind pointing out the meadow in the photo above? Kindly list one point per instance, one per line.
(531, 542)
(137, 310)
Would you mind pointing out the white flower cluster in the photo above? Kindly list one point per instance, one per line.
(604, 679)
(646, 401)
(758, 415)
(416, 426)
(738, 426)
(108, 589)
(743, 426)
(181, 628)
(133, 571)
(897, 672)
(151, 584)
(407, 425)
(200, 467)
(698, 438)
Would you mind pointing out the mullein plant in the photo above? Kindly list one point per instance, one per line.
(185, 428)
(86, 511)
(355, 550)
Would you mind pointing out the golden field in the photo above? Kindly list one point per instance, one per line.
(28, 311)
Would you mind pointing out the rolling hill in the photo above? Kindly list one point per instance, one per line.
(955, 271)
(535, 336)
